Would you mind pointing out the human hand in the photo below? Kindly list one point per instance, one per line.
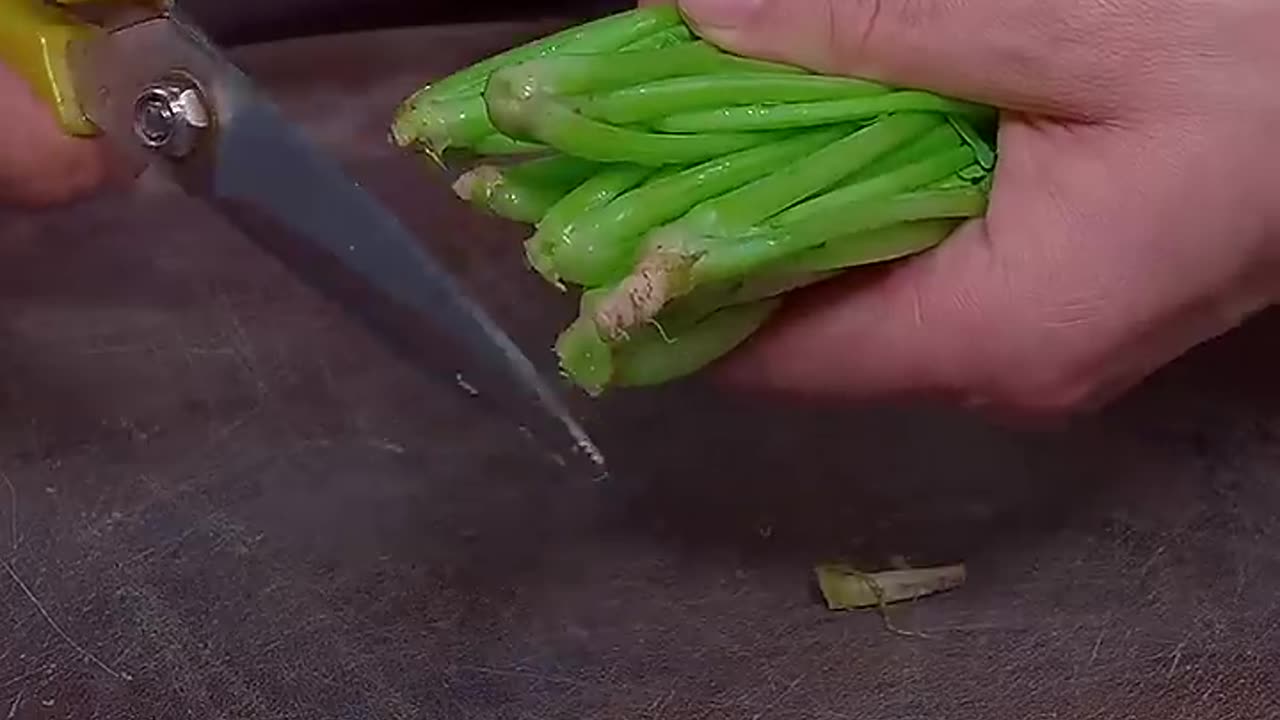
(1133, 214)
(39, 164)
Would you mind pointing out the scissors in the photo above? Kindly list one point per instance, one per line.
(141, 75)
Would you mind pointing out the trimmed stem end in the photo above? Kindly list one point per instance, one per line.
(661, 277)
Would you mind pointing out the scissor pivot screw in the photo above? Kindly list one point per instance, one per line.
(170, 116)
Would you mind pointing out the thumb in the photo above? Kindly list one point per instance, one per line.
(992, 51)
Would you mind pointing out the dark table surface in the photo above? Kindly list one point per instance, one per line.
(241, 21)
(220, 499)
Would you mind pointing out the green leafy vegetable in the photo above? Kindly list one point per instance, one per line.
(686, 191)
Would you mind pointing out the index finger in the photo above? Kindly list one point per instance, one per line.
(40, 164)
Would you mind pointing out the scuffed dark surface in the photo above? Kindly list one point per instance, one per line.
(219, 488)
(250, 21)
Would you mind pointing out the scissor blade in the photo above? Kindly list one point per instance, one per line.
(299, 204)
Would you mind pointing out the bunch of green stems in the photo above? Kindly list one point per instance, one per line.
(686, 191)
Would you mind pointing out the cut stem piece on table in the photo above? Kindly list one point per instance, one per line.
(846, 588)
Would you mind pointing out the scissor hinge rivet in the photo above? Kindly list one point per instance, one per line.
(170, 116)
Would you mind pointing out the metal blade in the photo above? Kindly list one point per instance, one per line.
(242, 156)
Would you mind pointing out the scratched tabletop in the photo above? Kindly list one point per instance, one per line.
(219, 498)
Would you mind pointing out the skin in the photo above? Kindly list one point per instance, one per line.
(1133, 215)
(40, 166)
(1134, 212)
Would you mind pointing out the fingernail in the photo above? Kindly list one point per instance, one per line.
(720, 14)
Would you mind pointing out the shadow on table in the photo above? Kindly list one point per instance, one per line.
(709, 472)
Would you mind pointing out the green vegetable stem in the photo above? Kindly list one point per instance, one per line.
(687, 192)
(527, 191)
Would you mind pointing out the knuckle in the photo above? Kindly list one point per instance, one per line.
(856, 28)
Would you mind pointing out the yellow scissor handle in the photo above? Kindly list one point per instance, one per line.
(35, 41)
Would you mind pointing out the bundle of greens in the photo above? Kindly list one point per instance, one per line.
(685, 190)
